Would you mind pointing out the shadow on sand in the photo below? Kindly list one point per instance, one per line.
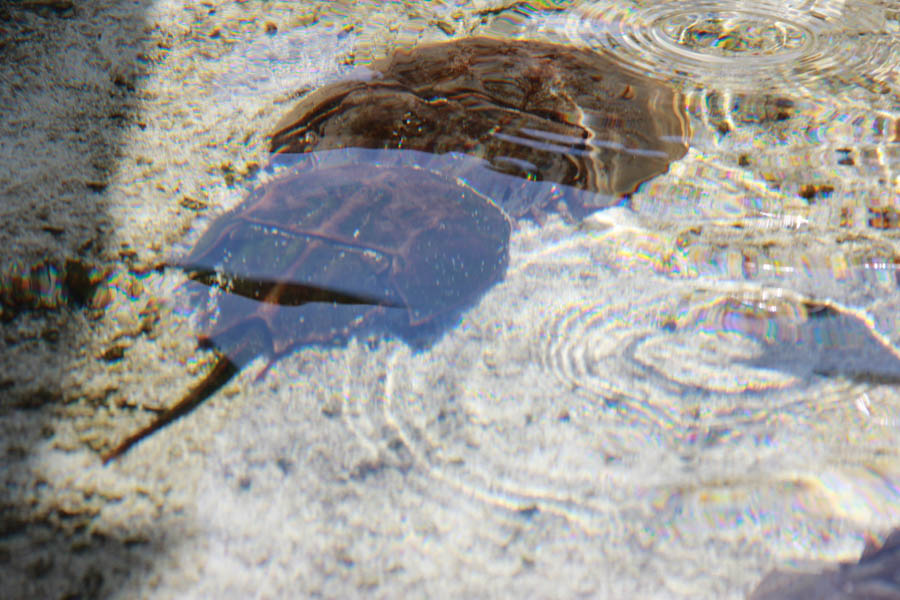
(69, 72)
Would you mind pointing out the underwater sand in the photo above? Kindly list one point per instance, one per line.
(578, 433)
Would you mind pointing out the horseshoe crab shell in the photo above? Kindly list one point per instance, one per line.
(540, 111)
(326, 250)
(344, 243)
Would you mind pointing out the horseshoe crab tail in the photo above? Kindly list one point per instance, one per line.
(224, 370)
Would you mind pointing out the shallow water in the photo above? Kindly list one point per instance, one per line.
(691, 385)
(714, 360)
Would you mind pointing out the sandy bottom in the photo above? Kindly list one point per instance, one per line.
(588, 428)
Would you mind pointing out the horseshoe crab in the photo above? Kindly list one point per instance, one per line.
(327, 250)
(339, 245)
(533, 110)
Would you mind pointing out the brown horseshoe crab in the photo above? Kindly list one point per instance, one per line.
(338, 244)
(534, 110)
(506, 129)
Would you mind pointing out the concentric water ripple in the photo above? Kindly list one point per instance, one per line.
(616, 389)
(737, 44)
(611, 348)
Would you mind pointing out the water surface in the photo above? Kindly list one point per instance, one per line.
(668, 393)
(711, 360)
